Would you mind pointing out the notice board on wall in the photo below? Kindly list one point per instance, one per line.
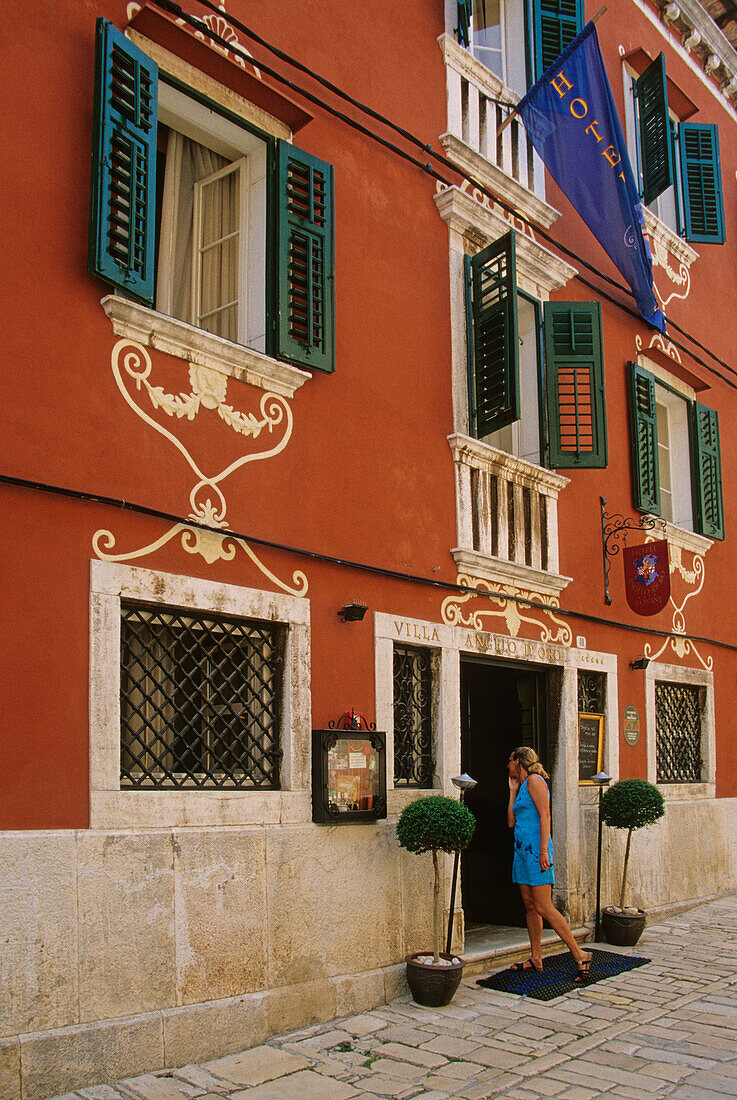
(590, 746)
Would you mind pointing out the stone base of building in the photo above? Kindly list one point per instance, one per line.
(42, 1064)
(128, 951)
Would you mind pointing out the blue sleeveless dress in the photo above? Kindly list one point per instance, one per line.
(526, 866)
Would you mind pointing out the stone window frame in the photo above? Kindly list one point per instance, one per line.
(695, 677)
(443, 677)
(113, 807)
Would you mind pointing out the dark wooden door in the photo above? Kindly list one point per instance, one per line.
(502, 707)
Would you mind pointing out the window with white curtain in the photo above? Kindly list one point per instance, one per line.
(212, 221)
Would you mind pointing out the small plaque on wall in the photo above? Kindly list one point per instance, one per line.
(348, 776)
(631, 724)
(590, 746)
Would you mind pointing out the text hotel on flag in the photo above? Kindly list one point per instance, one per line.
(573, 124)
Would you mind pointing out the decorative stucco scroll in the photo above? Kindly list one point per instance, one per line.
(550, 627)
(219, 25)
(662, 342)
(131, 362)
(694, 579)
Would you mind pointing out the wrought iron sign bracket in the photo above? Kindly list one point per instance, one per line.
(614, 527)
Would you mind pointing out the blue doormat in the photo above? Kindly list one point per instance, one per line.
(558, 976)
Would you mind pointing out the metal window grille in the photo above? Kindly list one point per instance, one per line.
(591, 692)
(678, 736)
(414, 765)
(200, 700)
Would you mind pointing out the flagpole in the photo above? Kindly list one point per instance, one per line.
(513, 114)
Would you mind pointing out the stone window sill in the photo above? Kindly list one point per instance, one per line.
(681, 538)
(687, 792)
(177, 338)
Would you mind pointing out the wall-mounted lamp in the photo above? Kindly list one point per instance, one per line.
(352, 612)
(602, 780)
(641, 662)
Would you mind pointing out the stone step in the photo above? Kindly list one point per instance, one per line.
(493, 946)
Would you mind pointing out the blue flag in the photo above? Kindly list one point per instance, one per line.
(573, 124)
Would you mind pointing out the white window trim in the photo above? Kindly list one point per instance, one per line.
(679, 537)
(184, 341)
(111, 807)
(219, 93)
(696, 677)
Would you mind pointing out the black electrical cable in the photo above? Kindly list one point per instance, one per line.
(377, 570)
(250, 33)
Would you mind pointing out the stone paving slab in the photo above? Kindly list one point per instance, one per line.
(666, 1030)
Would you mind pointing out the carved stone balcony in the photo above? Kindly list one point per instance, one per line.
(507, 517)
(477, 105)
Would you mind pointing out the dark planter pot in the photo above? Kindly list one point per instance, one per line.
(433, 986)
(623, 929)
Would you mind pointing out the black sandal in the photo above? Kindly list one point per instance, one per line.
(584, 969)
(526, 968)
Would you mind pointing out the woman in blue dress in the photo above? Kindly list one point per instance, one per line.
(528, 814)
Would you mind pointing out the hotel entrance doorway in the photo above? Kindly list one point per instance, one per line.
(502, 706)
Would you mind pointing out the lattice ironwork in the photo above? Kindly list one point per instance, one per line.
(414, 765)
(200, 700)
(678, 725)
(591, 692)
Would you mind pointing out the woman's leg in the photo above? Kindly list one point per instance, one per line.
(534, 926)
(542, 898)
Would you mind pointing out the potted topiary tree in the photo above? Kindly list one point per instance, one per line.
(435, 824)
(630, 804)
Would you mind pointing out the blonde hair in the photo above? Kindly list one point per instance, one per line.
(530, 761)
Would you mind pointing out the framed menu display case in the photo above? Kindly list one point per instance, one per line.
(348, 776)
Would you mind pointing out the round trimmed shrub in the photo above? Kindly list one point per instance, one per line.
(631, 804)
(437, 823)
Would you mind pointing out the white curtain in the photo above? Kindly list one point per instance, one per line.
(186, 162)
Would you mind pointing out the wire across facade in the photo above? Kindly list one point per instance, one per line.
(200, 700)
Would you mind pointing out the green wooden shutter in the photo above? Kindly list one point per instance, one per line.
(701, 174)
(706, 471)
(495, 343)
(123, 208)
(304, 328)
(464, 22)
(644, 440)
(574, 383)
(656, 146)
(555, 24)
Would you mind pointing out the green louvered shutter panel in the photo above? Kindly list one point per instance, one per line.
(644, 440)
(304, 259)
(701, 174)
(707, 471)
(495, 343)
(464, 22)
(656, 145)
(556, 23)
(123, 208)
(574, 382)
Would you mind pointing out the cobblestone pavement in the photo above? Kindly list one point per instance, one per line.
(668, 1029)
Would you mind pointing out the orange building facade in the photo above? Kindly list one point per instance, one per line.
(323, 400)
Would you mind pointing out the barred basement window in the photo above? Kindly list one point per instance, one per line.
(678, 739)
(414, 765)
(200, 700)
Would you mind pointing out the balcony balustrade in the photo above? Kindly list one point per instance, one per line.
(507, 514)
